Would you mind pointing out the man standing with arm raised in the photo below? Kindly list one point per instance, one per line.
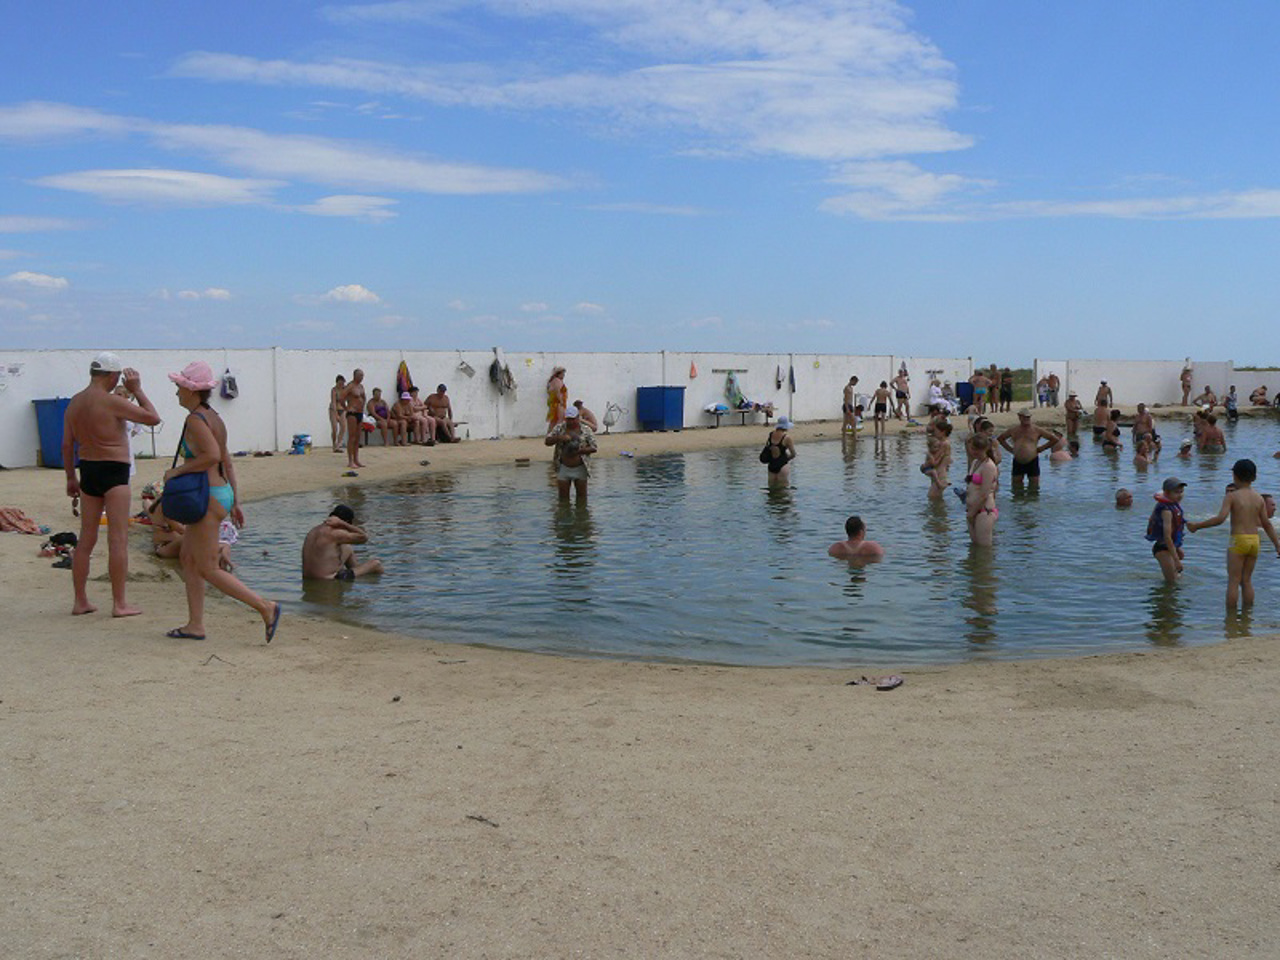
(97, 423)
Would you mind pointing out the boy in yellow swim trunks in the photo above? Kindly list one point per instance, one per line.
(1248, 511)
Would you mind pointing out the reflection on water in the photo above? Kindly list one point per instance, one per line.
(979, 578)
(696, 557)
(1166, 606)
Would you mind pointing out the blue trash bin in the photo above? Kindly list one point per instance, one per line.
(49, 419)
(660, 408)
(964, 395)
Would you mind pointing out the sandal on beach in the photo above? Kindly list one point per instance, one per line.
(890, 682)
(177, 633)
(275, 622)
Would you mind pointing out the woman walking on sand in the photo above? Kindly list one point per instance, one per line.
(204, 448)
(557, 397)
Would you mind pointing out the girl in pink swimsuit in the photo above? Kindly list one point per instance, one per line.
(980, 507)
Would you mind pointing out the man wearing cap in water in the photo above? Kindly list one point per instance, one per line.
(441, 409)
(1026, 442)
(95, 428)
(327, 552)
(573, 443)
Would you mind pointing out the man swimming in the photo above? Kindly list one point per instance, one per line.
(857, 547)
(327, 551)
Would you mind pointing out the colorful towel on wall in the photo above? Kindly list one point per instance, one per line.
(404, 382)
(733, 391)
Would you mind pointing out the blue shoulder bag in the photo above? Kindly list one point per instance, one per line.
(186, 496)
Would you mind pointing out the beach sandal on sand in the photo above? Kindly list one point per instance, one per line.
(177, 633)
(890, 682)
(275, 621)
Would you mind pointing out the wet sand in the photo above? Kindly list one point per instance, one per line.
(348, 793)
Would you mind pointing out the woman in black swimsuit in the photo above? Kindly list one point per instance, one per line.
(778, 452)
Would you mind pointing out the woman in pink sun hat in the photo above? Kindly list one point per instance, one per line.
(204, 448)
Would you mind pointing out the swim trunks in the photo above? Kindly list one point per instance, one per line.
(846, 408)
(99, 476)
(1099, 431)
(346, 573)
(1245, 544)
(980, 391)
(901, 394)
(1029, 469)
(882, 408)
(578, 473)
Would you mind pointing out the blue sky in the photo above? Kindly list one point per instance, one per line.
(998, 179)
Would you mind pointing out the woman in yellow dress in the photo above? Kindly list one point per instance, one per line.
(557, 397)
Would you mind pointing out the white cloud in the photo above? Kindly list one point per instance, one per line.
(812, 79)
(178, 187)
(885, 190)
(535, 307)
(359, 207)
(700, 322)
(351, 293)
(19, 224)
(7, 303)
(313, 159)
(459, 305)
(210, 293)
(590, 309)
(40, 280)
(391, 320)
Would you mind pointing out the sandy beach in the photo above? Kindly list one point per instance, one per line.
(346, 793)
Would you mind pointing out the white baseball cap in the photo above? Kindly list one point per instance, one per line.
(106, 362)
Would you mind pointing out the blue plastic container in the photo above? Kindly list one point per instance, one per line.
(49, 418)
(964, 394)
(660, 408)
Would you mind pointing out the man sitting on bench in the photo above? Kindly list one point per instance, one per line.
(441, 409)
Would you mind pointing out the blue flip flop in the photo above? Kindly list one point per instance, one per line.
(275, 622)
(177, 633)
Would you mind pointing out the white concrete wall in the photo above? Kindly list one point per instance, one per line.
(1143, 381)
(283, 392)
(1246, 381)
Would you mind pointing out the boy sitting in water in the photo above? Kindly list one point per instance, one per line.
(1165, 529)
(1248, 511)
(857, 547)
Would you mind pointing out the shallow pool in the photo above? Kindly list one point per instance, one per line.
(691, 557)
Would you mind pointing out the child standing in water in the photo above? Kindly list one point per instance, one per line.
(1165, 529)
(1248, 511)
(938, 460)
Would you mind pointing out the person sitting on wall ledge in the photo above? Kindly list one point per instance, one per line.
(403, 419)
(441, 409)
(381, 413)
(1207, 399)
(1259, 397)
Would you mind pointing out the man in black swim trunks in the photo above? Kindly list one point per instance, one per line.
(327, 552)
(1026, 442)
(353, 404)
(96, 429)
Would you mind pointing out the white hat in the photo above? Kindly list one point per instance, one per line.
(571, 413)
(106, 362)
(784, 423)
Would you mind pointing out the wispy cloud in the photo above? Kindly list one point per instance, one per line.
(308, 326)
(310, 159)
(8, 303)
(535, 307)
(810, 79)
(209, 293)
(168, 187)
(590, 309)
(21, 224)
(346, 205)
(41, 281)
